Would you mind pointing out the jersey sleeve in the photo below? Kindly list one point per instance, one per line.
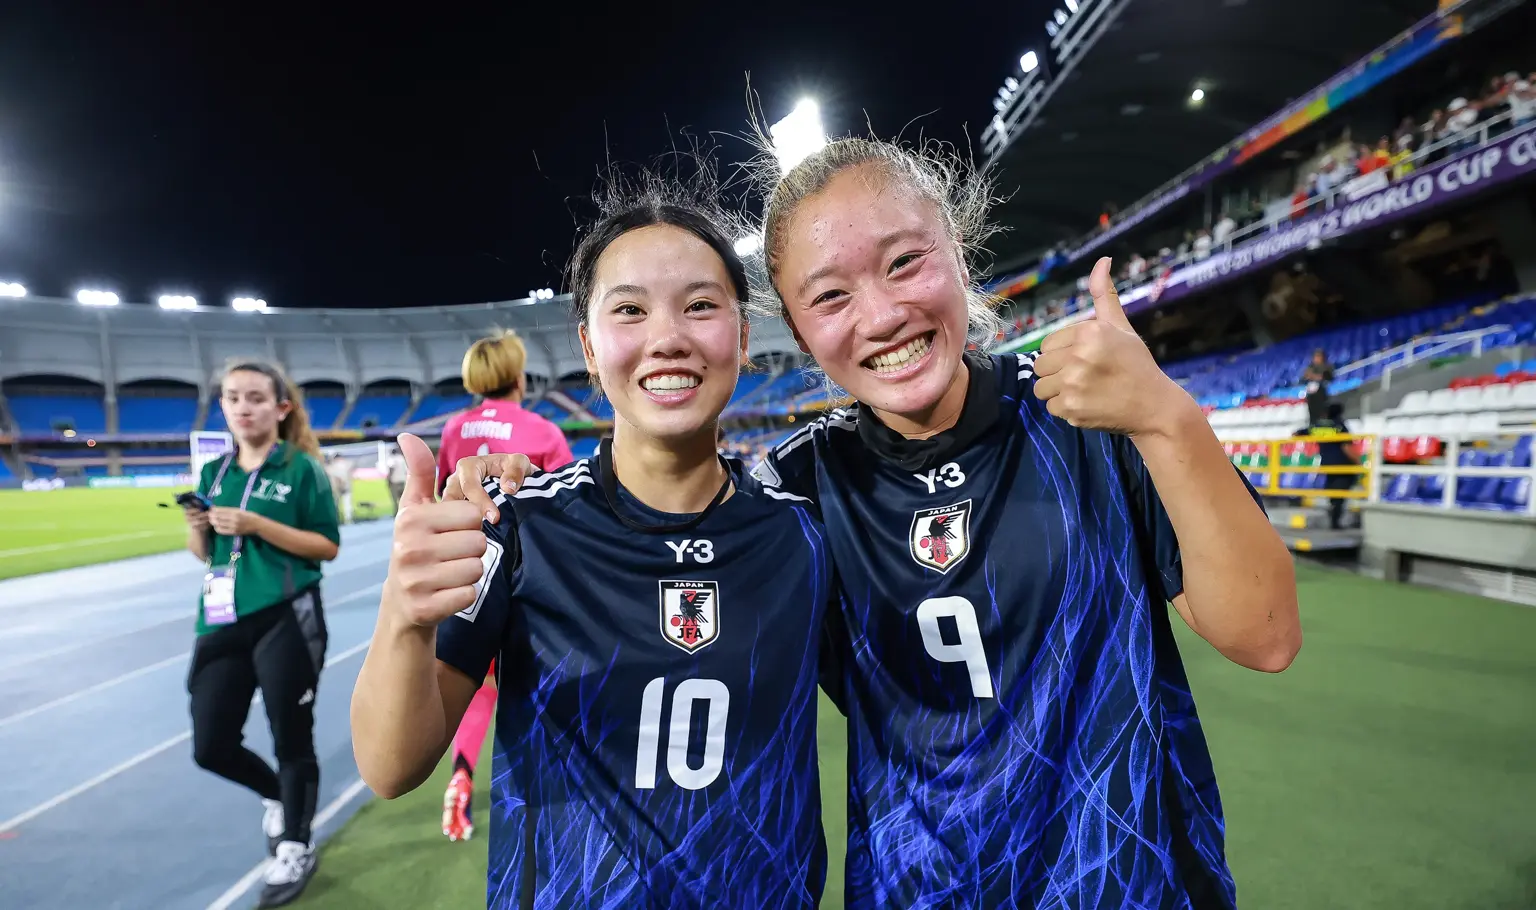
(469, 640)
(1154, 529)
(791, 466)
(317, 510)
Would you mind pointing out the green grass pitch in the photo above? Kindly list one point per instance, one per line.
(78, 526)
(1393, 767)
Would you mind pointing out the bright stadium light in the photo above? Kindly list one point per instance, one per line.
(1061, 18)
(1197, 96)
(798, 136)
(96, 298)
(1071, 6)
(748, 245)
(249, 305)
(12, 289)
(541, 294)
(1011, 84)
(177, 302)
(1029, 61)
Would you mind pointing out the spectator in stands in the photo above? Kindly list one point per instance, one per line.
(1202, 244)
(271, 524)
(1522, 101)
(1223, 229)
(1462, 117)
(1316, 378)
(494, 368)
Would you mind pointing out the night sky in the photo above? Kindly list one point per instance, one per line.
(370, 159)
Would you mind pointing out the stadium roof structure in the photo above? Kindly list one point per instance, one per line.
(424, 345)
(1120, 119)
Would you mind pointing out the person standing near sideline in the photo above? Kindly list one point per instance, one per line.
(270, 523)
(339, 468)
(493, 369)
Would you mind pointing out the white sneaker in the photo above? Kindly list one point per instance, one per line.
(272, 824)
(288, 873)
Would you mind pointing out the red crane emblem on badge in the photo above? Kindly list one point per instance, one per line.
(939, 535)
(690, 615)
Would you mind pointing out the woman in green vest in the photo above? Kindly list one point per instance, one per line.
(266, 522)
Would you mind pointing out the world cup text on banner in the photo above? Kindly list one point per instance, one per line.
(1475, 171)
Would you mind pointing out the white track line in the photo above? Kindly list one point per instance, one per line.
(238, 889)
(105, 684)
(133, 762)
(50, 547)
(134, 674)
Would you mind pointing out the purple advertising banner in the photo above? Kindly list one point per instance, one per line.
(1507, 158)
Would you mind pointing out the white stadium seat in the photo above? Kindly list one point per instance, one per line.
(1498, 397)
(1468, 399)
(1414, 403)
(1441, 401)
(1524, 395)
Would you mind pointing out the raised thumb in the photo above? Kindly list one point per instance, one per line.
(1106, 302)
(420, 471)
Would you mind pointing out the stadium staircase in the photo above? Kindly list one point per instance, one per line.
(564, 400)
(346, 412)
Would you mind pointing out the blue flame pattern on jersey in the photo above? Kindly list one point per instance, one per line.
(1021, 730)
(636, 764)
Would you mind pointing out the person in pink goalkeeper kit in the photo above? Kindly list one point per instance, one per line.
(493, 370)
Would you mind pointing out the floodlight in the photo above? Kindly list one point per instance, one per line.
(177, 302)
(798, 136)
(1071, 6)
(249, 305)
(1029, 61)
(96, 298)
(12, 289)
(748, 245)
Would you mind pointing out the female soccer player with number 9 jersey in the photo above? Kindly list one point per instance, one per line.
(654, 614)
(1007, 532)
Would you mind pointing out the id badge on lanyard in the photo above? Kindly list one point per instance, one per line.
(219, 583)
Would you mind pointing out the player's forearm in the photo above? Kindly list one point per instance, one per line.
(1239, 581)
(399, 731)
(303, 544)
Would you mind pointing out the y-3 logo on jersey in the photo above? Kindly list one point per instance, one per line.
(949, 475)
(941, 537)
(700, 550)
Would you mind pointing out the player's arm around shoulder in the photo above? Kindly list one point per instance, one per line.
(407, 702)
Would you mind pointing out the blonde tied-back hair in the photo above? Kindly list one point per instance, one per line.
(962, 194)
(494, 367)
(294, 429)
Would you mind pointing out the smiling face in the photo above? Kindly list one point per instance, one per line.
(874, 286)
(664, 332)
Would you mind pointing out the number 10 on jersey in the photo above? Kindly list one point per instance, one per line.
(680, 731)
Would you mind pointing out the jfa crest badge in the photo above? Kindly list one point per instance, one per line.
(941, 537)
(690, 613)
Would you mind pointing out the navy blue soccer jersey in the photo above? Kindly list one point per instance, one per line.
(655, 737)
(1021, 732)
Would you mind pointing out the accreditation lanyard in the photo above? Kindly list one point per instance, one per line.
(245, 500)
(219, 583)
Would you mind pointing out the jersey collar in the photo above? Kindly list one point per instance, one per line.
(977, 415)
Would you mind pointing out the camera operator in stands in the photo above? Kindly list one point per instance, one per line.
(1316, 378)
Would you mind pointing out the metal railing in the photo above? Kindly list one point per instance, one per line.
(1452, 471)
(1274, 469)
(1421, 349)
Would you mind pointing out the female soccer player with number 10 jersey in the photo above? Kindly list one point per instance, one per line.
(654, 614)
(1007, 532)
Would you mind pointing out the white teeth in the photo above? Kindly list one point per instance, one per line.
(895, 360)
(669, 382)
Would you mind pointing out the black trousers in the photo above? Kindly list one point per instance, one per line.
(281, 650)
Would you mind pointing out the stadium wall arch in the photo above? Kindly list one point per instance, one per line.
(421, 345)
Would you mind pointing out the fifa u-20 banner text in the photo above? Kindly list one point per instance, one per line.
(1463, 177)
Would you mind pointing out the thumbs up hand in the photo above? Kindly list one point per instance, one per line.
(435, 562)
(1098, 375)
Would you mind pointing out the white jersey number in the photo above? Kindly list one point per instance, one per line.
(968, 650)
(687, 692)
